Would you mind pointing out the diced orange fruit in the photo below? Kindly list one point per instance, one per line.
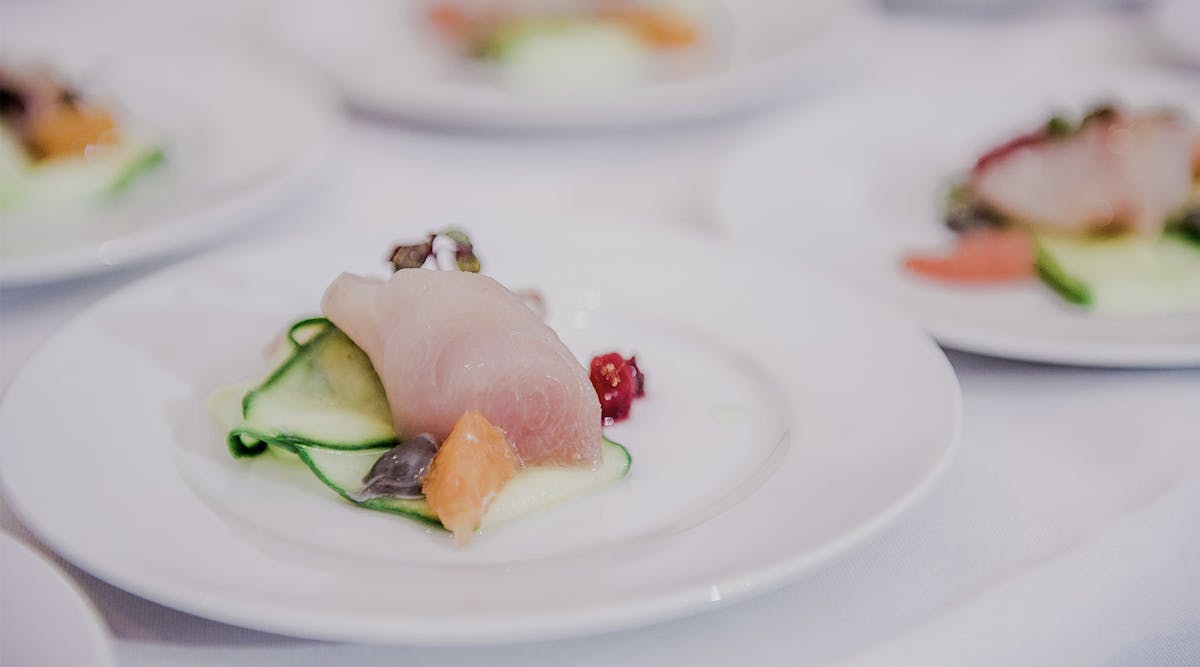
(453, 21)
(68, 129)
(470, 467)
(981, 255)
(660, 28)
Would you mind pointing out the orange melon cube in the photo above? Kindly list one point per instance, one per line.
(658, 27)
(470, 467)
(67, 131)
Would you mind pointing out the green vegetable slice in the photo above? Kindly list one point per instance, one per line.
(1058, 278)
(1123, 275)
(138, 165)
(324, 394)
(52, 183)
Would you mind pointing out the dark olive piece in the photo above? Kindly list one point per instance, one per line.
(401, 469)
(11, 102)
(1189, 223)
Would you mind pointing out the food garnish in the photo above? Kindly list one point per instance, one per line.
(617, 381)
(429, 253)
(981, 255)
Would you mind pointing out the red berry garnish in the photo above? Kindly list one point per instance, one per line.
(617, 381)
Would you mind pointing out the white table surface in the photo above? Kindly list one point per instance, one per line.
(1067, 532)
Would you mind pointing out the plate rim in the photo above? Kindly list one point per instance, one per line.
(782, 569)
(99, 639)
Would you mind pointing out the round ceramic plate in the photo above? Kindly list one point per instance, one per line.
(237, 139)
(855, 184)
(777, 432)
(387, 58)
(44, 618)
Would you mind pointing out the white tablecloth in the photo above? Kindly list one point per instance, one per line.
(1067, 532)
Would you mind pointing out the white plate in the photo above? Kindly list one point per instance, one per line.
(239, 139)
(386, 59)
(44, 617)
(1177, 23)
(778, 432)
(856, 183)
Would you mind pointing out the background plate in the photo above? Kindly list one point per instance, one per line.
(886, 157)
(760, 51)
(239, 139)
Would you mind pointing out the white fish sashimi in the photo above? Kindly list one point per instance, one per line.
(1116, 173)
(445, 342)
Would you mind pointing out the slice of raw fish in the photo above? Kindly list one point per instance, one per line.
(445, 342)
(1116, 173)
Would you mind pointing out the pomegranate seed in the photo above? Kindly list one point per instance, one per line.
(617, 381)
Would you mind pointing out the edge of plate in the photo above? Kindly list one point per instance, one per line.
(99, 640)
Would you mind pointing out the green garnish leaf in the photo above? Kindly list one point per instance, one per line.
(458, 236)
(1059, 128)
(464, 251)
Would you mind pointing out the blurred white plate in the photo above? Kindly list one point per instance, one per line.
(1178, 23)
(387, 59)
(855, 184)
(778, 432)
(239, 139)
(44, 617)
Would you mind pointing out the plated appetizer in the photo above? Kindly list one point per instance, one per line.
(437, 394)
(1105, 211)
(58, 147)
(566, 47)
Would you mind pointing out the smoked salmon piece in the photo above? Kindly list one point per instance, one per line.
(980, 256)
